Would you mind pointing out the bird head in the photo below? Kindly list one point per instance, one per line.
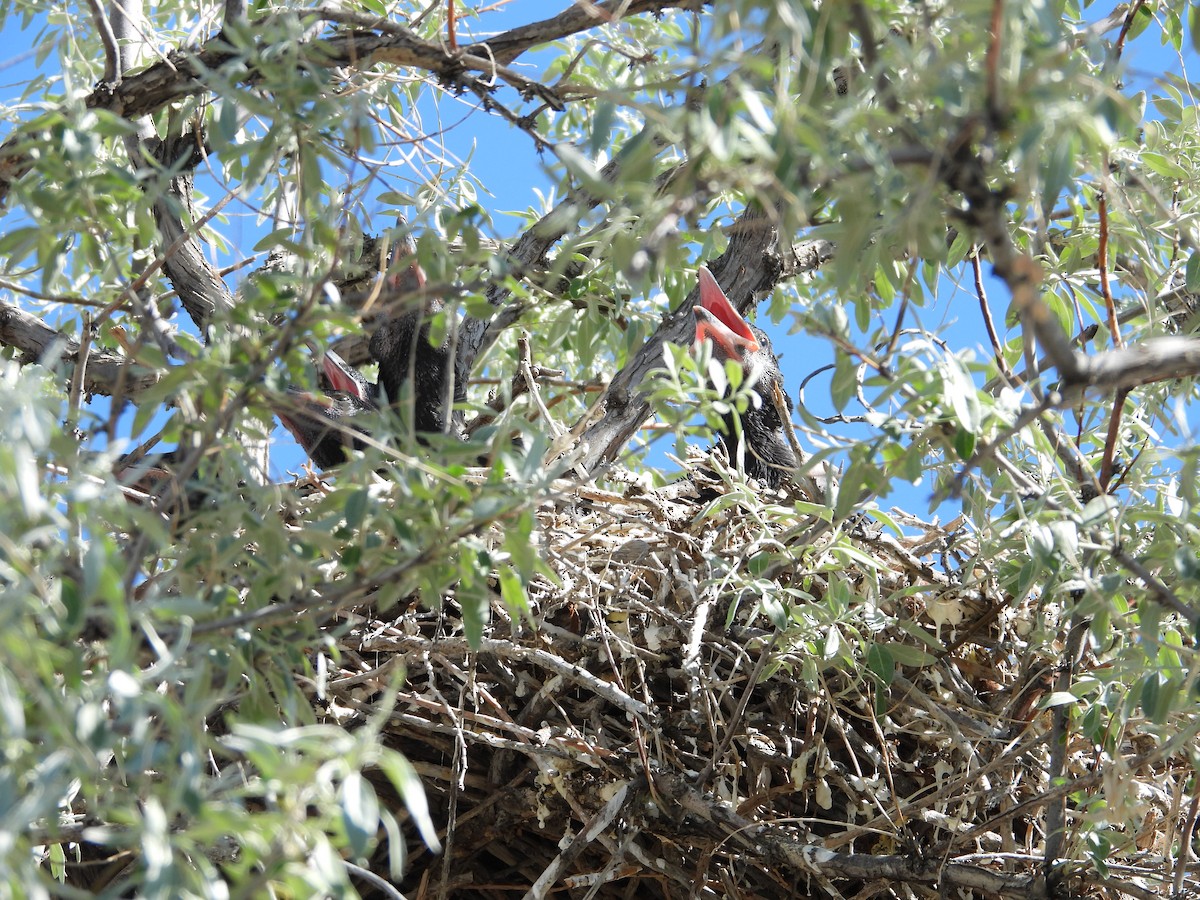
(323, 424)
(405, 279)
(343, 377)
(755, 438)
(733, 337)
(717, 320)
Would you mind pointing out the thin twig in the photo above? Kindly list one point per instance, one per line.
(985, 311)
(1102, 263)
(1159, 592)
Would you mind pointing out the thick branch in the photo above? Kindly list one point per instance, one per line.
(1156, 359)
(577, 17)
(196, 280)
(183, 72)
(38, 342)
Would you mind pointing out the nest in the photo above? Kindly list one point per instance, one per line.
(722, 694)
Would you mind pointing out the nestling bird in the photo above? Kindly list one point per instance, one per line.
(760, 446)
(338, 375)
(403, 350)
(401, 347)
(325, 424)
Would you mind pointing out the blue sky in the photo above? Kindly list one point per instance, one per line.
(506, 163)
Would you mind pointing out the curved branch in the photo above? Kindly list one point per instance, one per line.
(196, 280)
(577, 17)
(1156, 359)
(112, 51)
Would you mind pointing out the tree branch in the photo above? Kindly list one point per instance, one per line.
(748, 267)
(475, 334)
(40, 343)
(1156, 359)
(577, 17)
(986, 211)
(185, 71)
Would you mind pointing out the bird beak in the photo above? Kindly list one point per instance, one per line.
(301, 414)
(343, 378)
(717, 319)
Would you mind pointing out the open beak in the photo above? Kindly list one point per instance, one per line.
(343, 377)
(716, 319)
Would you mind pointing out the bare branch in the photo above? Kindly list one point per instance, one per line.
(112, 51)
(1158, 591)
(1154, 360)
(576, 18)
(182, 73)
(38, 342)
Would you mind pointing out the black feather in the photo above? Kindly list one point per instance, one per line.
(324, 425)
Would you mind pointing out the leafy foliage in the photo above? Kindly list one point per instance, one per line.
(974, 213)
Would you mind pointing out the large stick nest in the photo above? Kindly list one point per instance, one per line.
(733, 698)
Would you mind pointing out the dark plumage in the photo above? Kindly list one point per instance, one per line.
(761, 448)
(402, 348)
(324, 424)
